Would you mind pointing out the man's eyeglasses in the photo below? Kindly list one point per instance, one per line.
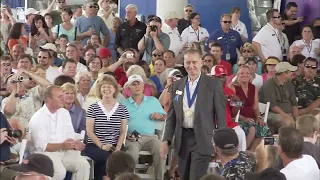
(188, 10)
(43, 57)
(277, 17)
(229, 22)
(308, 66)
(246, 51)
(6, 64)
(157, 55)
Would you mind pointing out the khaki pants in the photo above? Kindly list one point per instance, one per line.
(275, 121)
(72, 161)
(149, 143)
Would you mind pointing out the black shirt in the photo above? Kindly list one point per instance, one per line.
(293, 32)
(182, 24)
(5, 146)
(129, 36)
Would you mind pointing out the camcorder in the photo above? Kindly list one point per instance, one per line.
(270, 141)
(20, 79)
(153, 28)
(135, 134)
(14, 133)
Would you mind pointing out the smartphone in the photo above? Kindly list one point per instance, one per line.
(270, 141)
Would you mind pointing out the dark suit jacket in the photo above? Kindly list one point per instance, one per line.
(210, 103)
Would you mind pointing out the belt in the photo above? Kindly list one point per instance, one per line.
(188, 129)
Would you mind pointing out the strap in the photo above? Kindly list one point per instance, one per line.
(75, 33)
(58, 29)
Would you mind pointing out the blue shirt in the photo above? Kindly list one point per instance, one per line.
(84, 24)
(5, 146)
(157, 82)
(229, 42)
(78, 118)
(140, 116)
(58, 62)
(112, 44)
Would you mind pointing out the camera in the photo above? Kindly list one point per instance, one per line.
(270, 141)
(135, 134)
(235, 102)
(153, 28)
(130, 55)
(20, 79)
(14, 133)
(176, 78)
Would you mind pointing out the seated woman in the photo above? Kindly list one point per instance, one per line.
(94, 65)
(78, 115)
(247, 51)
(106, 125)
(83, 82)
(269, 67)
(149, 87)
(250, 119)
(159, 67)
(17, 36)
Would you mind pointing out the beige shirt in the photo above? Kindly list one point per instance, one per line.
(188, 121)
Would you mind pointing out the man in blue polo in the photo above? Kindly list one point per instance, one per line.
(228, 38)
(145, 112)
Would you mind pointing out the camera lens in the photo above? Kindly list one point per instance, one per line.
(20, 78)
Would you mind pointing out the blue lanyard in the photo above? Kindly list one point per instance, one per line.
(190, 101)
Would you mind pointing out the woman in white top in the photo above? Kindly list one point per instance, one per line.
(194, 33)
(237, 25)
(307, 44)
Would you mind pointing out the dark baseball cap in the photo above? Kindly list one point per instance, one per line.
(252, 59)
(226, 138)
(267, 174)
(36, 162)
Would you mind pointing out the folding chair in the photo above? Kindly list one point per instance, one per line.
(23, 146)
(264, 109)
(160, 125)
(236, 119)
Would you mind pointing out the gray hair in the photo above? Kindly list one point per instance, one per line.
(133, 7)
(81, 75)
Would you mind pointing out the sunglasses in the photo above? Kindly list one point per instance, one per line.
(188, 10)
(157, 55)
(246, 51)
(229, 22)
(277, 17)
(92, 6)
(43, 57)
(6, 64)
(310, 66)
(61, 2)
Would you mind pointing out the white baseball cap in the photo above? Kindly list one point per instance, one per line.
(49, 46)
(284, 67)
(134, 78)
(171, 15)
(31, 11)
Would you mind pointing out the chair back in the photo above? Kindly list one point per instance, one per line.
(23, 146)
(264, 109)
(236, 119)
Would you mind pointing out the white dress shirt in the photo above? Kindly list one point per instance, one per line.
(241, 29)
(46, 127)
(175, 38)
(309, 50)
(52, 73)
(267, 37)
(189, 35)
(188, 121)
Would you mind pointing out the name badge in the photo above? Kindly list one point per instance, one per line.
(219, 38)
(178, 92)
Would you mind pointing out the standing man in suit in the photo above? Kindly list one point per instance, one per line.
(196, 101)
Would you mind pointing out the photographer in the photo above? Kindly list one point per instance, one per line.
(153, 39)
(23, 103)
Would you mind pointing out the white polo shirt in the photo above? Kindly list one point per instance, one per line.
(305, 168)
(267, 37)
(52, 73)
(46, 127)
(175, 38)
(189, 35)
(241, 29)
(308, 51)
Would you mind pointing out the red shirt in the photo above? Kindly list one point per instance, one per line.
(120, 76)
(227, 66)
(229, 122)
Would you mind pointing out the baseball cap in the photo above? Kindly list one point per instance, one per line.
(134, 78)
(271, 61)
(49, 46)
(226, 138)
(285, 66)
(252, 59)
(218, 70)
(36, 162)
(267, 174)
(31, 11)
(104, 52)
(87, 2)
(171, 15)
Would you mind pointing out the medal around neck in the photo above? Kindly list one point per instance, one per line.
(188, 113)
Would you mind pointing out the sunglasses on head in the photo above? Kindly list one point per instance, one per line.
(157, 55)
(246, 51)
(188, 10)
(310, 66)
(229, 22)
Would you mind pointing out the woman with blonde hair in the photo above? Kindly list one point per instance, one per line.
(106, 125)
(83, 81)
(250, 119)
(77, 114)
(149, 87)
(93, 97)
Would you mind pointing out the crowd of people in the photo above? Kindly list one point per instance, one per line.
(66, 71)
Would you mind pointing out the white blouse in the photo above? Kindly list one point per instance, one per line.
(189, 35)
(308, 50)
